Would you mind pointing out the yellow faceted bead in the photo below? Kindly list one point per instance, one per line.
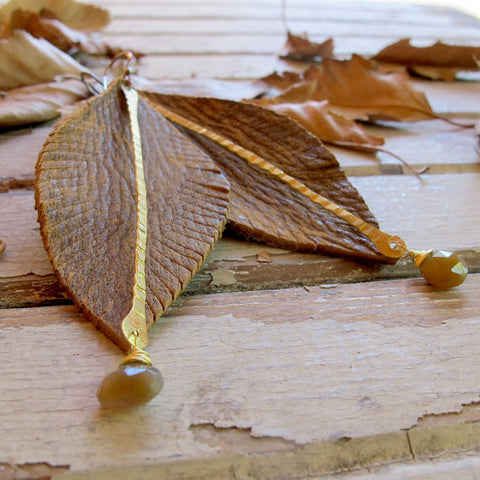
(130, 386)
(443, 270)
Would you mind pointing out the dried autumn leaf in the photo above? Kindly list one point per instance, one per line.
(439, 61)
(302, 48)
(37, 103)
(262, 206)
(331, 128)
(317, 118)
(96, 212)
(2, 246)
(54, 31)
(356, 90)
(25, 60)
(76, 15)
(279, 83)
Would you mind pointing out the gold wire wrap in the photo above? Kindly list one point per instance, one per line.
(419, 256)
(137, 355)
(388, 245)
(134, 324)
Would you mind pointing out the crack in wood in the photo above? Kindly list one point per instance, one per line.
(410, 446)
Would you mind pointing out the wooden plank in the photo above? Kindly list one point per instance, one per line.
(345, 462)
(444, 220)
(349, 361)
(352, 12)
(19, 150)
(463, 468)
(445, 98)
(363, 10)
(441, 147)
(221, 27)
(425, 11)
(257, 43)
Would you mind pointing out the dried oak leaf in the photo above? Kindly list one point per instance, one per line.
(263, 207)
(38, 103)
(87, 193)
(356, 90)
(300, 47)
(76, 15)
(54, 31)
(439, 61)
(330, 127)
(25, 60)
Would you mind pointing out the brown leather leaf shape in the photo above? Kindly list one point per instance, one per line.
(439, 61)
(356, 90)
(262, 207)
(100, 222)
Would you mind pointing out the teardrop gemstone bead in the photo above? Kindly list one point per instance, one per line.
(443, 270)
(130, 386)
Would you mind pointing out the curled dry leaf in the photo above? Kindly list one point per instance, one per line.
(439, 61)
(317, 118)
(356, 90)
(38, 103)
(331, 128)
(76, 15)
(54, 31)
(93, 208)
(302, 48)
(25, 60)
(262, 206)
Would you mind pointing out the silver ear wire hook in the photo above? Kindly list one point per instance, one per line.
(84, 76)
(127, 71)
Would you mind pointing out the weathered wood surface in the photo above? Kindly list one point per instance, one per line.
(373, 366)
(446, 212)
(359, 369)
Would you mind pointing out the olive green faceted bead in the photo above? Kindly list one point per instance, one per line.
(443, 269)
(130, 386)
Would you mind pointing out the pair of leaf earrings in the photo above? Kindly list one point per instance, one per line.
(134, 188)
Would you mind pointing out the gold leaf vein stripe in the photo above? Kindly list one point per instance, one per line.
(134, 324)
(388, 245)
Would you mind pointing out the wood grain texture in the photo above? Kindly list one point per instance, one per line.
(393, 352)
(440, 203)
(346, 461)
